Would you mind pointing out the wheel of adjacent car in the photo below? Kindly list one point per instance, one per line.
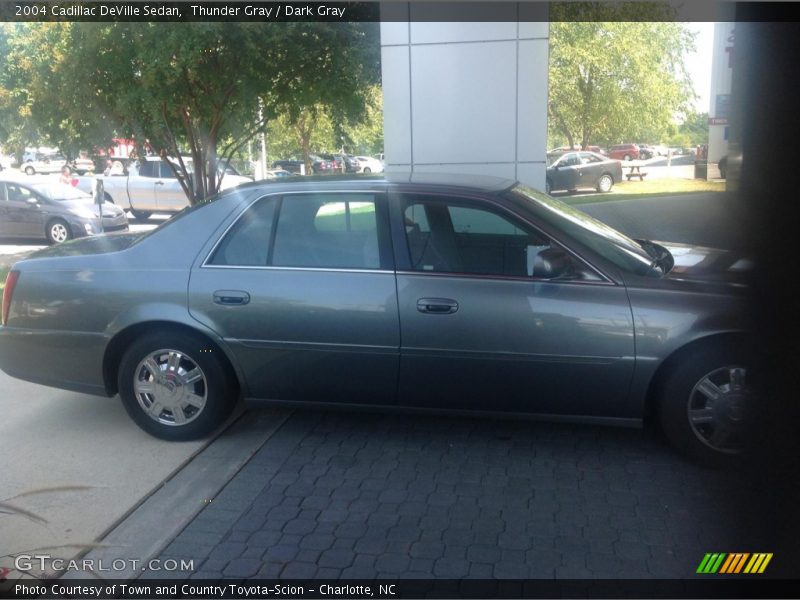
(367, 170)
(30, 170)
(174, 386)
(627, 157)
(141, 215)
(707, 403)
(605, 183)
(548, 186)
(57, 231)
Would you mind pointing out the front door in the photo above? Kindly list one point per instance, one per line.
(303, 291)
(480, 332)
(24, 219)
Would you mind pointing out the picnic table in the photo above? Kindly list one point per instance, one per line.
(635, 171)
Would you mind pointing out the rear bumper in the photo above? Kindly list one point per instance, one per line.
(62, 359)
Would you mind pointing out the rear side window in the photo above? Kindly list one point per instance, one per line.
(247, 243)
(327, 230)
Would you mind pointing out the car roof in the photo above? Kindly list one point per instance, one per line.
(481, 183)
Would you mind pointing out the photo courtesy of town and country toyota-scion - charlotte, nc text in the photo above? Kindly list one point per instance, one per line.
(200, 590)
(260, 11)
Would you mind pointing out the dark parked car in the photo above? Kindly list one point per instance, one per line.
(580, 170)
(424, 291)
(624, 152)
(646, 152)
(53, 210)
(290, 165)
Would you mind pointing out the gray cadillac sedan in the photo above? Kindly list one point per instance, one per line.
(427, 292)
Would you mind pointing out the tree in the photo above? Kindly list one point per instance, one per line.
(204, 89)
(615, 81)
(317, 131)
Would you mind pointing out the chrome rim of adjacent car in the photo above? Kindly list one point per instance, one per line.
(605, 183)
(719, 409)
(170, 387)
(58, 232)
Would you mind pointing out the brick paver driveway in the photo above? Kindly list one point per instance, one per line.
(361, 495)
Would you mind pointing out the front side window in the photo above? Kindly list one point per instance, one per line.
(17, 193)
(455, 237)
(327, 231)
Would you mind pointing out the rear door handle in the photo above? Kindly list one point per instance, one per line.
(437, 306)
(231, 297)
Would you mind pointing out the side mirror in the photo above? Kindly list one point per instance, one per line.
(551, 263)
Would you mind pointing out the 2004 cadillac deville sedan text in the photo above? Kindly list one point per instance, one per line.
(428, 292)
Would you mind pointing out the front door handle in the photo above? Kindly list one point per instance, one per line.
(231, 297)
(437, 306)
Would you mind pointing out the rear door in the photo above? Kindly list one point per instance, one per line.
(302, 289)
(479, 332)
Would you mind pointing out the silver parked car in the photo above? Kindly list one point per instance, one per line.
(427, 291)
(53, 210)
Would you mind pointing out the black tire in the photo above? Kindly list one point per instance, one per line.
(30, 171)
(627, 157)
(367, 170)
(141, 215)
(57, 231)
(217, 386)
(605, 183)
(735, 411)
(723, 167)
(548, 186)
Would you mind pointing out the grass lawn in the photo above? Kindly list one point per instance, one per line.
(651, 188)
(3, 272)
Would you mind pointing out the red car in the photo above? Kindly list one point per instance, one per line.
(624, 152)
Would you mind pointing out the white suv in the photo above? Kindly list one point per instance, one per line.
(38, 162)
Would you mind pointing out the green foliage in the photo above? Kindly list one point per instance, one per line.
(203, 89)
(617, 81)
(360, 135)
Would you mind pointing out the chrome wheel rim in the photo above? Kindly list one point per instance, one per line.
(170, 387)
(605, 183)
(719, 409)
(58, 232)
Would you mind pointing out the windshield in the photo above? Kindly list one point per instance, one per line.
(61, 191)
(612, 245)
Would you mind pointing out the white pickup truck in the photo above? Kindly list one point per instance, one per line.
(149, 186)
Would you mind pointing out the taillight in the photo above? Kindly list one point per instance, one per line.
(8, 290)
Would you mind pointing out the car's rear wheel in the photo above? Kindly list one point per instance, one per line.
(627, 157)
(367, 170)
(30, 170)
(174, 387)
(605, 183)
(708, 404)
(57, 231)
(141, 215)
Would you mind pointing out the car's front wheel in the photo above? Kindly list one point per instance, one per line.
(367, 170)
(708, 404)
(605, 183)
(58, 231)
(30, 170)
(174, 386)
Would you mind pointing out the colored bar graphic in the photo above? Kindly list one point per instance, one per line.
(728, 564)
